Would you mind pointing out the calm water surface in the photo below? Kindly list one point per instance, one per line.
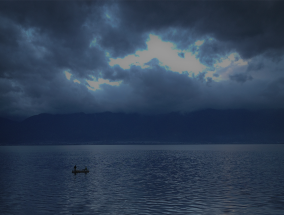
(187, 179)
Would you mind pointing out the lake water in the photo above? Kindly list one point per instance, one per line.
(161, 179)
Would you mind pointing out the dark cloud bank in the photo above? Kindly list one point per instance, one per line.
(41, 40)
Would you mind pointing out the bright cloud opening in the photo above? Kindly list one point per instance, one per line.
(95, 85)
(176, 60)
(68, 75)
(166, 53)
(228, 65)
(199, 42)
(232, 59)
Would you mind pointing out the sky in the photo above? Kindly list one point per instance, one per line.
(147, 57)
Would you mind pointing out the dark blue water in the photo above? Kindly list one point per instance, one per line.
(193, 179)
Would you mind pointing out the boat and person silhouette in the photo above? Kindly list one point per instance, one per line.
(75, 170)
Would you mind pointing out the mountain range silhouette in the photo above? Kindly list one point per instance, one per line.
(204, 126)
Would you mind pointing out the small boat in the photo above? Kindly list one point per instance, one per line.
(80, 171)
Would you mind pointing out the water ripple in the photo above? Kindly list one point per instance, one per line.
(129, 180)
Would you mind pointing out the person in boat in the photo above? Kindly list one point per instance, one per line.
(75, 167)
(85, 168)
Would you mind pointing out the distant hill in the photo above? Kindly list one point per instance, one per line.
(205, 126)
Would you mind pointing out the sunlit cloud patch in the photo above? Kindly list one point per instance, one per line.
(68, 75)
(229, 65)
(177, 60)
(233, 58)
(167, 54)
(199, 42)
(95, 85)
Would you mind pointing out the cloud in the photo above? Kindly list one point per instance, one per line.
(96, 85)
(167, 55)
(148, 57)
(242, 78)
(181, 54)
(274, 91)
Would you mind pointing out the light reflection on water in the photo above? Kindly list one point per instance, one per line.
(185, 179)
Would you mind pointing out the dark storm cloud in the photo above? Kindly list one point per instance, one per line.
(274, 91)
(201, 76)
(255, 66)
(38, 41)
(115, 74)
(155, 90)
(153, 63)
(211, 51)
(152, 90)
(57, 27)
(241, 77)
(41, 40)
(181, 54)
(251, 28)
